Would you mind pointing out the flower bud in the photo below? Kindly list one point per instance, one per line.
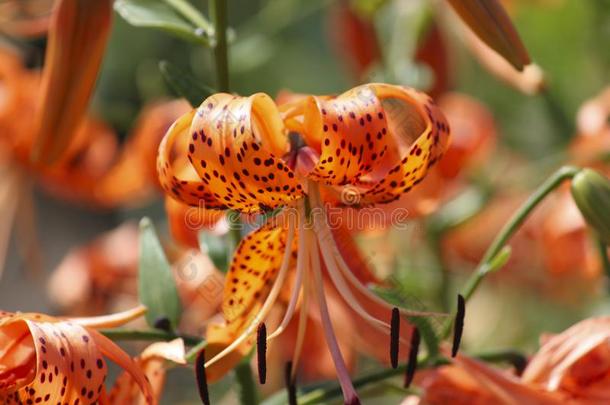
(77, 39)
(591, 192)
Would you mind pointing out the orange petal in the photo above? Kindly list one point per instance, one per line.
(152, 363)
(350, 132)
(77, 39)
(421, 133)
(255, 265)
(186, 222)
(176, 174)
(575, 361)
(237, 148)
(488, 19)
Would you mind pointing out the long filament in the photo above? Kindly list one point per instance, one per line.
(349, 393)
(298, 290)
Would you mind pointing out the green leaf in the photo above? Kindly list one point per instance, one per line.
(184, 84)
(156, 284)
(424, 325)
(158, 15)
(217, 248)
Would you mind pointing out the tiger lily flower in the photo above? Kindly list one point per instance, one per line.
(77, 39)
(53, 360)
(374, 142)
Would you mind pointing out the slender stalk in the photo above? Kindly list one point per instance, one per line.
(509, 229)
(189, 12)
(149, 335)
(247, 392)
(218, 11)
(603, 254)
(562, 122)
(434, 242)
(325, 394)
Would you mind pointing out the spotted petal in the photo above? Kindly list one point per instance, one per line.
(350, 133)
(176, 174)
(237, 148)
(421, 135)
(254, 268)
(46, 360)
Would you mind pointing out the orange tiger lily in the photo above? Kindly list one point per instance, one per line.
(376, 140)
(51, 360)
(77, 39)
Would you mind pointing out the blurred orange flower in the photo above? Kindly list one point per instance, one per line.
(52, 360)
(572, 367)
(103, 276)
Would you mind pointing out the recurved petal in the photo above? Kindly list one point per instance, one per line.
(488, 19)
(420, 136)
(176, 174)
(77, 40)
(350, 132)
(237, 148)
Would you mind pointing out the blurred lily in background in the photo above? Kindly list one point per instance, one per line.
(572, 367)
(103, 277)
(25, 18)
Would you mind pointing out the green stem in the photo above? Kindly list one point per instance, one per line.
(189, 12)
(509, 229)
(149, 335)
(561, 120)
(191, 355)
(218, 10)
(325, 394)
(248, 394)
(603, 254)
(434, 241)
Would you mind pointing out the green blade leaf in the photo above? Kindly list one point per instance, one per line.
(184, 84)
(156, 284)
(217, 248)
(159, 15)
(426, 329)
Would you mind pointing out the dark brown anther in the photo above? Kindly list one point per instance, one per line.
(458, 326)
(394, 337)
(412, 363)
(202, 381)
(290, 384)
(163, 323)
(261, 351)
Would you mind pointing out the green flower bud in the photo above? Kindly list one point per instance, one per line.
(591, 192)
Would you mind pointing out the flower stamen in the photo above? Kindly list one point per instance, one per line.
(459, 325)
(202, 381)
(261, 351)
(412, 363)
(394, 337)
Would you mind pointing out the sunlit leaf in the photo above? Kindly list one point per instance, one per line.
(184, 84)
(158, 15)
(157, 287)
